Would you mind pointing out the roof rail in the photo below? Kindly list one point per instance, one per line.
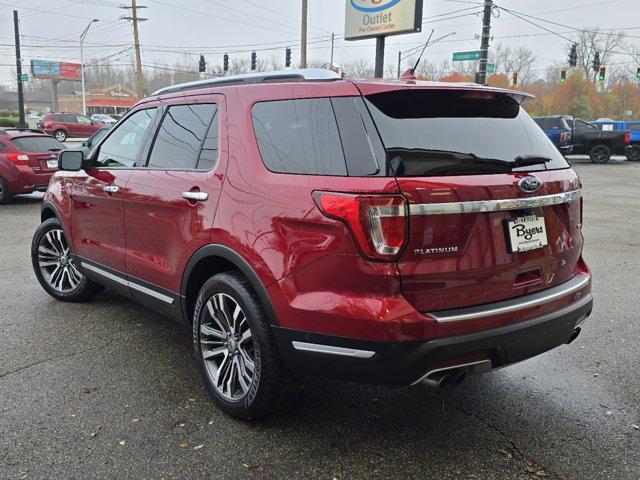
(294, 75)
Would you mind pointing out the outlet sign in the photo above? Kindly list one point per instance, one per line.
(374, 18)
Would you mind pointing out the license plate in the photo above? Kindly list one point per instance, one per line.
(52, 163)
(527, 233)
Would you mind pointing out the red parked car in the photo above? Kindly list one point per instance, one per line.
(68, 125)
(27, 161)
(388, 232)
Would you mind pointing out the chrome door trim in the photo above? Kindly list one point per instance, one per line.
(331, 350)
(483, 206)
(512, 305)
(128, 283)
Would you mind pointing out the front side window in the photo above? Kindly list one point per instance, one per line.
(299, 136)
(180, 136)
(434, 133)
(121, 148)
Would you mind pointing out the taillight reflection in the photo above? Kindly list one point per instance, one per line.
(378, 223)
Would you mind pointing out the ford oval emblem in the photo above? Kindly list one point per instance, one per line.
(370, 6)
(529, 184)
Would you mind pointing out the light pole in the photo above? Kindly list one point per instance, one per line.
(82, 37)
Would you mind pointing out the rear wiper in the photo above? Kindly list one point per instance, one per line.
(519, 161)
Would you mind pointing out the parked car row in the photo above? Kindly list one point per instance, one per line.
(301, 223)
(599, 140)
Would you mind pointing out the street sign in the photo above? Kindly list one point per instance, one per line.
(380, 18)
(24, 77)
(465, 56)
(491, 68)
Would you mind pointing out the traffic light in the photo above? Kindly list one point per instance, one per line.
(573, 55)
(563, 76)
(225, 62)
(602, 74)
(638, 72)
(287, 57)
(514, 79)
(254, 60)
(202, 66)
(596, 62)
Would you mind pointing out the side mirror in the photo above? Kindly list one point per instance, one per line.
(70, 160)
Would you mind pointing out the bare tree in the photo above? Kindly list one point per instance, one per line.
(509, 59)
(592, 40)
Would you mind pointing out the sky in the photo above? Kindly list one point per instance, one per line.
(51, 29)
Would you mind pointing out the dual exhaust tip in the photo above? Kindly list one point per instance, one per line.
(447, 378)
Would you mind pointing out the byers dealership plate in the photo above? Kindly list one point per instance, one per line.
(52, 163)
(527, 233)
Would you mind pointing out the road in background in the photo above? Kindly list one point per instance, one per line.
(109, 389)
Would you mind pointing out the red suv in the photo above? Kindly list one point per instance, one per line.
(68, 125)
(388, 232)
(27, 161)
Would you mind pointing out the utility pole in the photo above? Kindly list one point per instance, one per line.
(16, 27)
(380, 56)
(84, 94)
(484, 42)
(333, 39)
(136, 38)
(303, 40)
(399, 63)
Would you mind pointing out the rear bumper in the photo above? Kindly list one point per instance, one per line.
(403, 363)
(566, 149)
(23, 179)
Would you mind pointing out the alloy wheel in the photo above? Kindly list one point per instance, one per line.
(227, 347)
(56, 263)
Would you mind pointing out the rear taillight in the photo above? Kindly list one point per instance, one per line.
(18, 159)
(563, 137)
(378, 223)
(627, 138)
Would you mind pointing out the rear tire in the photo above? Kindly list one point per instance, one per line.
(60, 135)
(5, 196)
(600, 154)
(54, 265)
(634, 156)
(235, 350)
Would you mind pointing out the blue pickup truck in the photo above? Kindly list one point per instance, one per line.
(633, 127)
(573, 136)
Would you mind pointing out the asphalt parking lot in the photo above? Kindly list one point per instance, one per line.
(109, 389)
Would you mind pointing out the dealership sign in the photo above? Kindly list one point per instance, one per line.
(374, 18)
(55, 70)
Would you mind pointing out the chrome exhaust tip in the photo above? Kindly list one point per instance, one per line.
(437, 381)
(574, 335)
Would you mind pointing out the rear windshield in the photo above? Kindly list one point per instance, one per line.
(435, 133)
(37, 144)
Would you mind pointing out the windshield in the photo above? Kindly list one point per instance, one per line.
(38, 144)
(427, 132)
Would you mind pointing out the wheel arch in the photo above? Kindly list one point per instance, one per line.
(210, 260)
(48, 211)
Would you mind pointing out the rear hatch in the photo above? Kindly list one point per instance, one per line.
(41, 149)
(483, 226)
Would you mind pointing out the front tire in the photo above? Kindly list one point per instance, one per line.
(60, 135)
(235, 350)
(5, 196)
(600, 154)
(55, 267)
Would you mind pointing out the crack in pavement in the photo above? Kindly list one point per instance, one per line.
(527, 460)
(55, 359)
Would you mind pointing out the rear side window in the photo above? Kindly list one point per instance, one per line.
(299, 136)
(180, 136)
(38, 144)
(432, 133)
(58, 118)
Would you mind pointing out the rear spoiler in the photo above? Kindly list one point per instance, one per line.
(4, 131)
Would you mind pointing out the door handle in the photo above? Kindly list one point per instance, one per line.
(111, 189)
(195, 196)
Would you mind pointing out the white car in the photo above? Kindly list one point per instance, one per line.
(103, 118)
